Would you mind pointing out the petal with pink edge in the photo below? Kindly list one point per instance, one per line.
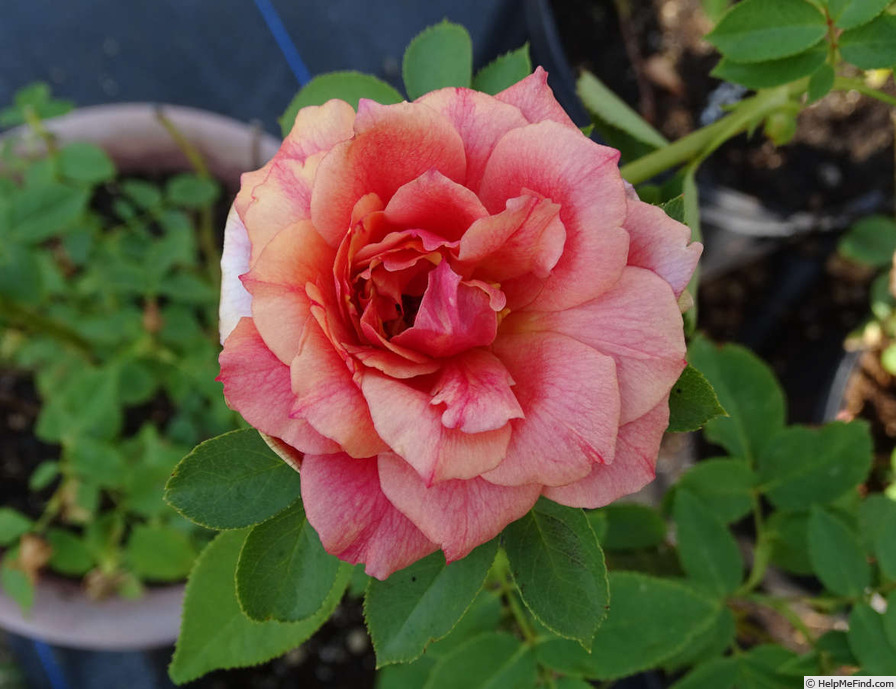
(633, 467)
(660, 244)
(412, 427)
(457, 515)
(570, 398)
(354, 519)
(393, 145)
(236, 302)
(295, 256)
(638, 323)
(553, 160)
(256, 384)
(434, 203)
(535, 99)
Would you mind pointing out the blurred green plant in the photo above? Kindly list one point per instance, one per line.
(108, 293)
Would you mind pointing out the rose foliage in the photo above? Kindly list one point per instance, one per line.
(441, 310)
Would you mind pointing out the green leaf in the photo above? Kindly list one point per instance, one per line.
(15, 583)
(144, 194)
(192, 191)
(868, 641)
(712, 642)
(870, 241)
(630, 526)
(85, 404)
(836, 555)
(872, 46)
(853, 13)
(706, 548)
(21, 278)
(692, 402)
(423, 602)
(405, 676)
(495, 660)
(807, 466)
(232, 481)
(348, 86)
(43, 475)
(759, 30)
(214, 632)
(749, 392)
(650, 620)
(719, 673)
(760, 667)
(97, 462)
(714, 9)
(771, 73)
(160, 553)
(602, 103)
(44, 210)
(877, 524)
(820, 84)
(84, 162)
(71, 555)
(484, 615)
(504, 71)
(441, 55)
(559, 568)
(12, 525)
(284, 573)
(790, 541)
(723, 485)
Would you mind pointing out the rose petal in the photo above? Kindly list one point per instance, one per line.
(660, 244)
(633, 467)
(393, 145)
(535, 99)
(474, 388)
(553, 160)
(236, 302)
(569, 395)
(638, 324)
(412, 427)
(457, 515)
(354, 519)
(479, 119)
(256, 384)
(295, 256)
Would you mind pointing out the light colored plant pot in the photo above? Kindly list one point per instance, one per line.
(134, 137)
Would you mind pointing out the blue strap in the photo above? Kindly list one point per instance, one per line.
(51, 667)
(287, 47)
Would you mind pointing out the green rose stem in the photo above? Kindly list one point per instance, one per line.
(206, 226)
(848, 84)
(37, 323)
(33, 120)
(505, 581)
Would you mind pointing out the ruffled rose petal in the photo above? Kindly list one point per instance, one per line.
(327, 397)
(479, 119)
(570, 398)
(633, 467)
(475, 389)
(236, 302)
(280, 306)
(434, 203)
(393, 145)
(535, 99)
(638, 324)
(248, 366)
(553, 160)
(354, 519)
(412, 427)
(457, 515)
(660, 244)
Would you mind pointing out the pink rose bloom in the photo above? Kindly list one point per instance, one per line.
(442, 310)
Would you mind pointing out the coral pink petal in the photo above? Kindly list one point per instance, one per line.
(570, 398)
(317, 129)
(434, 203)
(236, 302)
(454, 316)
(638, 323)
(354, 519)
(535, 99)
(405, 418)
(660, 244)
(393, 145)
(256, 384)
(527, 237)
(475, 389)
(479, 119)
(457, 515)
(564, 166)
(295, 256)
(328, 398)
(633, 467)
